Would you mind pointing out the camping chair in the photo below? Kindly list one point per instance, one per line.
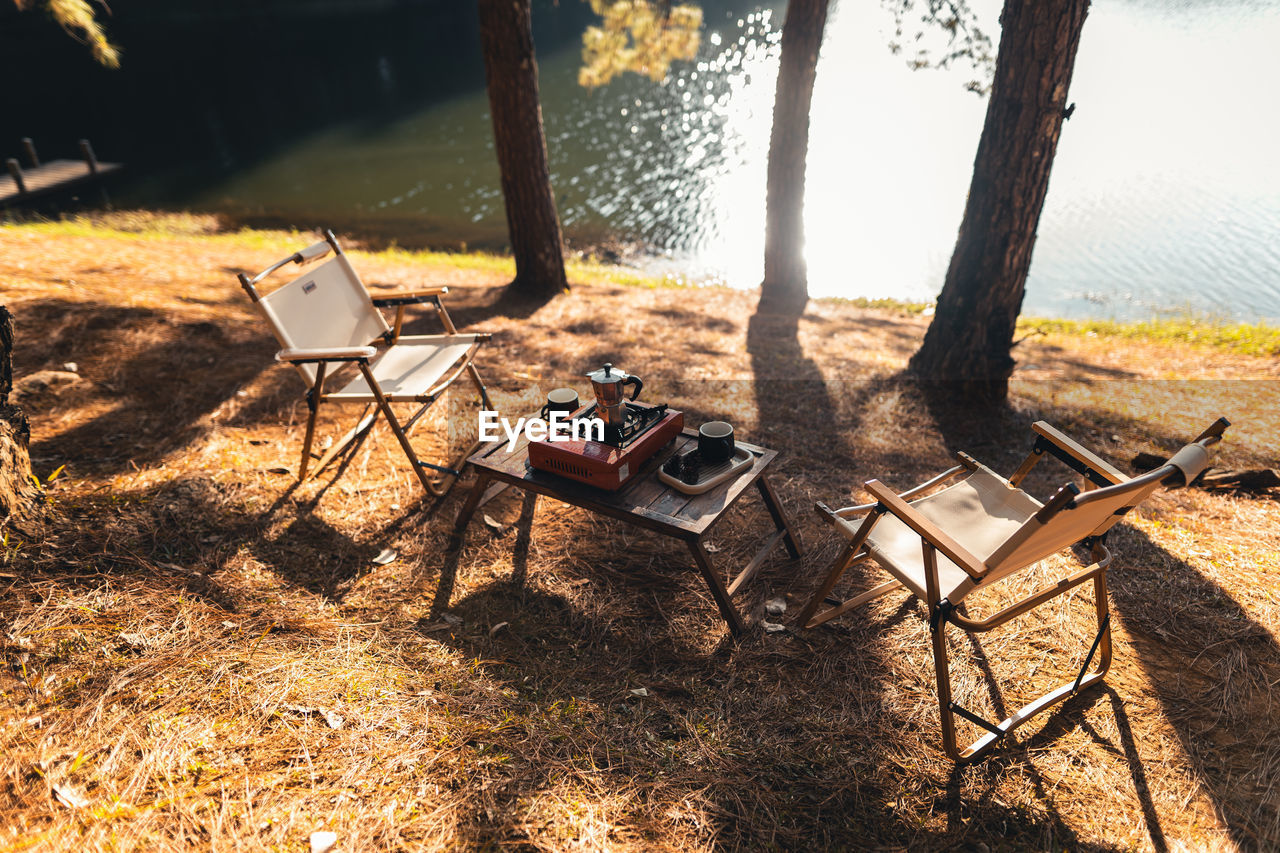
(982, 529)
(326, 317)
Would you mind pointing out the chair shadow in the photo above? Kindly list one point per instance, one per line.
(1214, 691)
(1175, 618)
(1070, 714)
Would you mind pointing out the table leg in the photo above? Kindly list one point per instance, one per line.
(468, 509)
(779, 518)
(718, 591)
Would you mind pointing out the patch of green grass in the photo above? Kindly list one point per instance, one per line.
(483, 261)
(1257, 339)
(1249, 339)
(148, 225)
(603, 273)
(901, 306)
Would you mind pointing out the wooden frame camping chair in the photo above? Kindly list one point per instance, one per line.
(326, 317)
(982, 529)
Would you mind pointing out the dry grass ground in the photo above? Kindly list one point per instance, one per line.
(174, 635)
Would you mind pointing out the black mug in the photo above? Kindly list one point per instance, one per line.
(715, 442)
(560, 400)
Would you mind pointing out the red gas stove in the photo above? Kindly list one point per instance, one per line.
(611, 463)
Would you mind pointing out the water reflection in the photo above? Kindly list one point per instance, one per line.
(1165, 194)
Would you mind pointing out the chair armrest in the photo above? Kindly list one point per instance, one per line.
(1069, 451)
(300, 356)
(315, 250)
(831, 515)
(927, 530)
(409, 297)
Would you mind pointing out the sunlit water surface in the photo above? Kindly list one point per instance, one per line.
(1165, 195)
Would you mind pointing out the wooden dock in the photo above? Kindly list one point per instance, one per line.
(41, 179)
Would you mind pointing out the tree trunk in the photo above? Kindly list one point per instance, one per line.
(972, 330)
(511, 73)
(17, 491)
(786, 284)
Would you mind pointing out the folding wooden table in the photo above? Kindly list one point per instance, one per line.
(645, 502)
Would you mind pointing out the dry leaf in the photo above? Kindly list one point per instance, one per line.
(496, 628)
(776, 606)
(135, 640)
(334, 720)
(451, 619)
(772, 627)
(640, 691)
(323, 841)
(386, 555)
(494, 524)
(277, 470)
(70, 797)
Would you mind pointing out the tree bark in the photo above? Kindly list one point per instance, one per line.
(786, 284)
(17, 491)
(511, 73)
(972, 330)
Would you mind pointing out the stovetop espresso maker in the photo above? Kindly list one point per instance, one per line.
(607, 384)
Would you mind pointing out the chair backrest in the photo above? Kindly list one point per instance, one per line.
(1075, 516)
(326, 306)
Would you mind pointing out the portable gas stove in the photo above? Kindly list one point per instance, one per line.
(611, 463)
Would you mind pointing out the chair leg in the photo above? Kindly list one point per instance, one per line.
(307, 439)
(394, 423)
(996, 732)
(848, 556)
(484, 392)
(441, 486)
(842, 563)
(942, 674)
(362, 426)
(314, 396)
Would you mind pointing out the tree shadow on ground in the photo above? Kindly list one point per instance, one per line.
(158, 377)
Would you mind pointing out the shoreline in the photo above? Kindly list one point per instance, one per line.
(1255, 339)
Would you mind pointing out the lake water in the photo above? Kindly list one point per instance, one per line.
(1165, 195)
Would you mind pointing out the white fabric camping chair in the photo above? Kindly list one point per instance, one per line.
(980, 530)
(326, 317)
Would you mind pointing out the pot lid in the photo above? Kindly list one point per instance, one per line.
(607, 375)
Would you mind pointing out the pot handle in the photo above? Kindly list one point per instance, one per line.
(633, 379)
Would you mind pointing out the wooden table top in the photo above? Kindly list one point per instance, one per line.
(645, 501)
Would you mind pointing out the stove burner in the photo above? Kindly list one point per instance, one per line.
(620, 458)
(635, 422)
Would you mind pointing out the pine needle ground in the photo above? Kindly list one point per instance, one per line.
(182, 633)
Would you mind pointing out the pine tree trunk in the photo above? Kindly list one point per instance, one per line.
(972, 330)
(511, 73)
(17, 491)
(786, 285)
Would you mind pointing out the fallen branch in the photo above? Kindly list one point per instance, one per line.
(1250, 480)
